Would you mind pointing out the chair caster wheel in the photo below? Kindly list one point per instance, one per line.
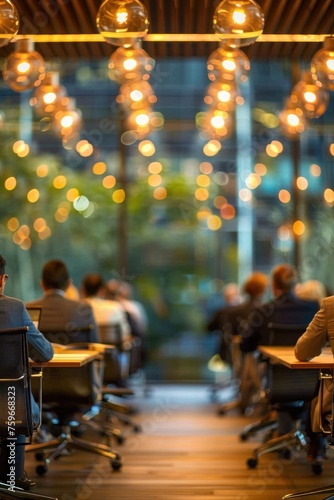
(137, 429)
(220, 412)
(317, 469)
(39, 457)
(285, 454)
(243, 437)
(252, 463)
(120, 439)
(116, 464)
(41, 470)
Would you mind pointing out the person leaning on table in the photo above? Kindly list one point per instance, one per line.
(309, 345)
(13, 313)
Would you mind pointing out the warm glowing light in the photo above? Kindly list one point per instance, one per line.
(293, 120)
(203, 180)
(219, 201)
(59, 182)
(10, 183)
(13, 224)
(245, 195)
(253, 181)
(315, 170)
(40, 224)
(201, 194)
(214, 222)
(33, 195)
(203, 214)
(298, 227)
(109, 182)
(260, 169)
(329, 195)
(283, 233)
(160, 193)
(61, 214)
(154, 168)
(154, 180)
(72, 194)
(84, 148)
(239, 15)
(227, 211)
(46, 233)
(302, 183)
(99, 168)
(42, 170)
(284, 196)
(146, 148)
(118, 196)
(331, 149)
(206, 167)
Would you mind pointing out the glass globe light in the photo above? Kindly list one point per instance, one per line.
(292, 119)
(139, 121)
(48, 95)
(68, 119)
(217, 124)
(122, 22)
(130, 64)
(322, 64)
(226, 64)
(9, 22)
(222, 95)
(23, 68)
(238, 22)
(136, 95)
(312, 98)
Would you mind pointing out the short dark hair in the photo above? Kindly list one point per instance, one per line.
(55, 275)
(91, 284)
(284, 277)
(2, 265)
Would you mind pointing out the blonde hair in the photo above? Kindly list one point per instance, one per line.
(311, 290)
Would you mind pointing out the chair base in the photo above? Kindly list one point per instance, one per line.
(6, 494)
(316, 491)
(67, 440)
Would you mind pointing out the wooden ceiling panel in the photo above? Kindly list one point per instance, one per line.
(171, 17)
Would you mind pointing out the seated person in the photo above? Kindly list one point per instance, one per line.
(309, 345)
(285, 308)
(62, 315)
(14, 314)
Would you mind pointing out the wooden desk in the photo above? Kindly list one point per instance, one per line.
(69, 359)
(284, 355)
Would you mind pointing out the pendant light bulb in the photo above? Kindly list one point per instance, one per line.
(24, 68)
(9, 22)
(122, 22)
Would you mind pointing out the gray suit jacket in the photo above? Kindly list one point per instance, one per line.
(13, 314)
(63, 317)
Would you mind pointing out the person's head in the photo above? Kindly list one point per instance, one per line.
(231, 294)
(255, 285)
(311, 290)
(92, 284)
(3, 275)
(284, 279)
(55, 275)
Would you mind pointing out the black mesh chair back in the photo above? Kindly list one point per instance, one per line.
(285, 385)
(69, 336)
(15, 395)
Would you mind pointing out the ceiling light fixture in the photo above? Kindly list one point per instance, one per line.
(23, 68)
(238, 22)
(122, 22)
(322, 64)
(312, 98)
(9, 22)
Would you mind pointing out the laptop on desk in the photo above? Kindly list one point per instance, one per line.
(35, 313)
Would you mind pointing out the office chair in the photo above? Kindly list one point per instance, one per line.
(278, 334)
(290, 391)
(67, 392)
(15, 378)
(327, 427)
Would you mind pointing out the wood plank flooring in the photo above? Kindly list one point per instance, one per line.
(185, 451)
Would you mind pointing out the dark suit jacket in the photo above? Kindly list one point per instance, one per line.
(63, 317)
(286, 309)
(13, 314)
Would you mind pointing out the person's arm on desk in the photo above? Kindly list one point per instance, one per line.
(314, 339)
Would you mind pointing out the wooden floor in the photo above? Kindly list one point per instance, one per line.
(185, 451)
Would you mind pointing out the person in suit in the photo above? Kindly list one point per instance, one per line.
(13, 313)
(62, 317)
(285, 308)
(309, 345)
